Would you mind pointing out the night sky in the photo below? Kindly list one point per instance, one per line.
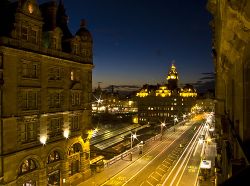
(135, 41)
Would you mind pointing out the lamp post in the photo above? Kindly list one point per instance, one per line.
(162, 125)
(184, 116)
(175, 120)
(133, 136)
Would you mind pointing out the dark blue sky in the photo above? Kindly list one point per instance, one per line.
(135, 41)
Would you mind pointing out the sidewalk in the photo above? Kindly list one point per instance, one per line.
(210, 154)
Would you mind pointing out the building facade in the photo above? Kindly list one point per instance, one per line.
(46, 82)
(231, 56)
(163, 103)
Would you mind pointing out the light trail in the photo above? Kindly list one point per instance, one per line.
(196, 134)
(154, 158)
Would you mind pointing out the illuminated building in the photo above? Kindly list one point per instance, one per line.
(230, 49)
(46, 82)
(112, 102)
(161, 103)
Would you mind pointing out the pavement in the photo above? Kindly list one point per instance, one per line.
(209, 154)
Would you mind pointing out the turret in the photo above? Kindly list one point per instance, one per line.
(172, 78)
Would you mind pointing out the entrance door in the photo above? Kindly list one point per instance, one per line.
(54, 178)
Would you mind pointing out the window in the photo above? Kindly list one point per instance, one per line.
(29, 34)
(75, 49)
(33, 36)
(75, 149)
(55, 73)
(74, 123)
(75, 163)
(29, 70)
(75, 75)
(29, 101)
(53, 43)
(28, 131)
(55, 100)
(28, 165)
(24, 33)
(55, 127)
(30, 183)
(53, 157)
(76, 98)
(74, 167)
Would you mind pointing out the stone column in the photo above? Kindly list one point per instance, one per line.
(65, 172)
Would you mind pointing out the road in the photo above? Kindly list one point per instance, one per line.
(166, 163)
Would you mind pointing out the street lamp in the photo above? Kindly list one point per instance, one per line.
(184, 116)
(175, 121)
(133, 136)
(162, 125)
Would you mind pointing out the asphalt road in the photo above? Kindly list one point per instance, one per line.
(163, 164)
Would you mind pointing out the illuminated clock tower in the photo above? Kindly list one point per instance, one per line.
(172, 78)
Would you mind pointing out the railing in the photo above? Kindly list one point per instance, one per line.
(128, 152)
(233, 136)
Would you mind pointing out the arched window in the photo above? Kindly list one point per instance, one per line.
(75, 149)
(53, 157)
(74, 165)
(28, 165)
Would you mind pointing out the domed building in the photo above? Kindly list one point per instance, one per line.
(46, 84)
(162, 103)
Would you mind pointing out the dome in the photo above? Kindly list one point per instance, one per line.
(83, 33)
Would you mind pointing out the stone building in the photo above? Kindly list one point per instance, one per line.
(45, 88)
(231, 56)
(163, 103)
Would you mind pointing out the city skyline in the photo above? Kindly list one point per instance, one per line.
(135, 42)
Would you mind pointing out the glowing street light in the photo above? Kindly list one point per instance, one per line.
(184, 116)
(162, 125)
(133, 136)
(175, 121)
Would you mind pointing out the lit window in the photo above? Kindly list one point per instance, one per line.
(29, 183)
(27, 166)
(53, 157)
(71, 75)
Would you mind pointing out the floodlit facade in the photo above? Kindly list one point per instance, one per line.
(46, 82)
(162, 103)
(231, 56)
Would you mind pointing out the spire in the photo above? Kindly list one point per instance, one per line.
(172, 77)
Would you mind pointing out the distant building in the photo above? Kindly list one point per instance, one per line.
(161, 103)
(45, 88)
(104, 101)
(230, 48)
